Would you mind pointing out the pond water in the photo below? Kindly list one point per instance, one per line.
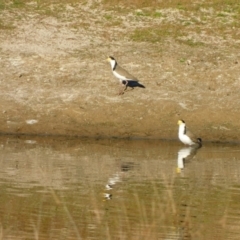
(59, 188)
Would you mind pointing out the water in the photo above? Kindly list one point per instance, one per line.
(58, 188)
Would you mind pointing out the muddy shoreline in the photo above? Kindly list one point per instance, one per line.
(55, 80)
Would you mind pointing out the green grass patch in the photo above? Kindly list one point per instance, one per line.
(108, 17)
(163, 32)
(2, 5)
(147, 13)
(177, 17)
(18, 3)
(191, 43)
(156, 33)
(185, 5)
(182, 60)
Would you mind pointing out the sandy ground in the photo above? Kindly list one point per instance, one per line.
(55, 79)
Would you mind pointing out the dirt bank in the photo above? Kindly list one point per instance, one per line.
(55, 79)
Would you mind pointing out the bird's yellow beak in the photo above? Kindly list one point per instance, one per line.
(179, 122)
(108, 59)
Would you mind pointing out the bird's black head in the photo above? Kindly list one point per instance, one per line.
(112, 57)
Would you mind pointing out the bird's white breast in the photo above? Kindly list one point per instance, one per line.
(183, 137)
(121, 77)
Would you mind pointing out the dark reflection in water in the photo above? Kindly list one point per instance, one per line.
(57, 188)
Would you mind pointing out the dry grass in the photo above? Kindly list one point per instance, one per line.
(176, 19)
(182, 4)
(153, 21)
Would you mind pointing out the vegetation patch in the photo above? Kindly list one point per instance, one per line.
(191, 42)
(156, 33)
(220, 15)
(18, 3)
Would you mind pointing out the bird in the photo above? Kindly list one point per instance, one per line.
(186, 136)
(125, 78)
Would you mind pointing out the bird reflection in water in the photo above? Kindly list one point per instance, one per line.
(117, 178)
(186, 155)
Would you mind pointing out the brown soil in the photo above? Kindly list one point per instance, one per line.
(55, 79)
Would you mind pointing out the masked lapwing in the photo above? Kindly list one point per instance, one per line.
(125, 78)
(186, 136)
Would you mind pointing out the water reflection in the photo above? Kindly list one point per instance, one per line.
(185, 155)
(117, 178)
(112, 181)
(58, 188)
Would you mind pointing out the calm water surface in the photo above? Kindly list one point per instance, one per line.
(118, 189)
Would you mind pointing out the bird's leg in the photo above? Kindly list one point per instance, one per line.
(124, 87)
(122, 90)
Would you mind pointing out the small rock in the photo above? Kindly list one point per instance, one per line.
(31, 121)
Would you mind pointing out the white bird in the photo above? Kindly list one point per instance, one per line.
(125, 78)
(186, 136)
